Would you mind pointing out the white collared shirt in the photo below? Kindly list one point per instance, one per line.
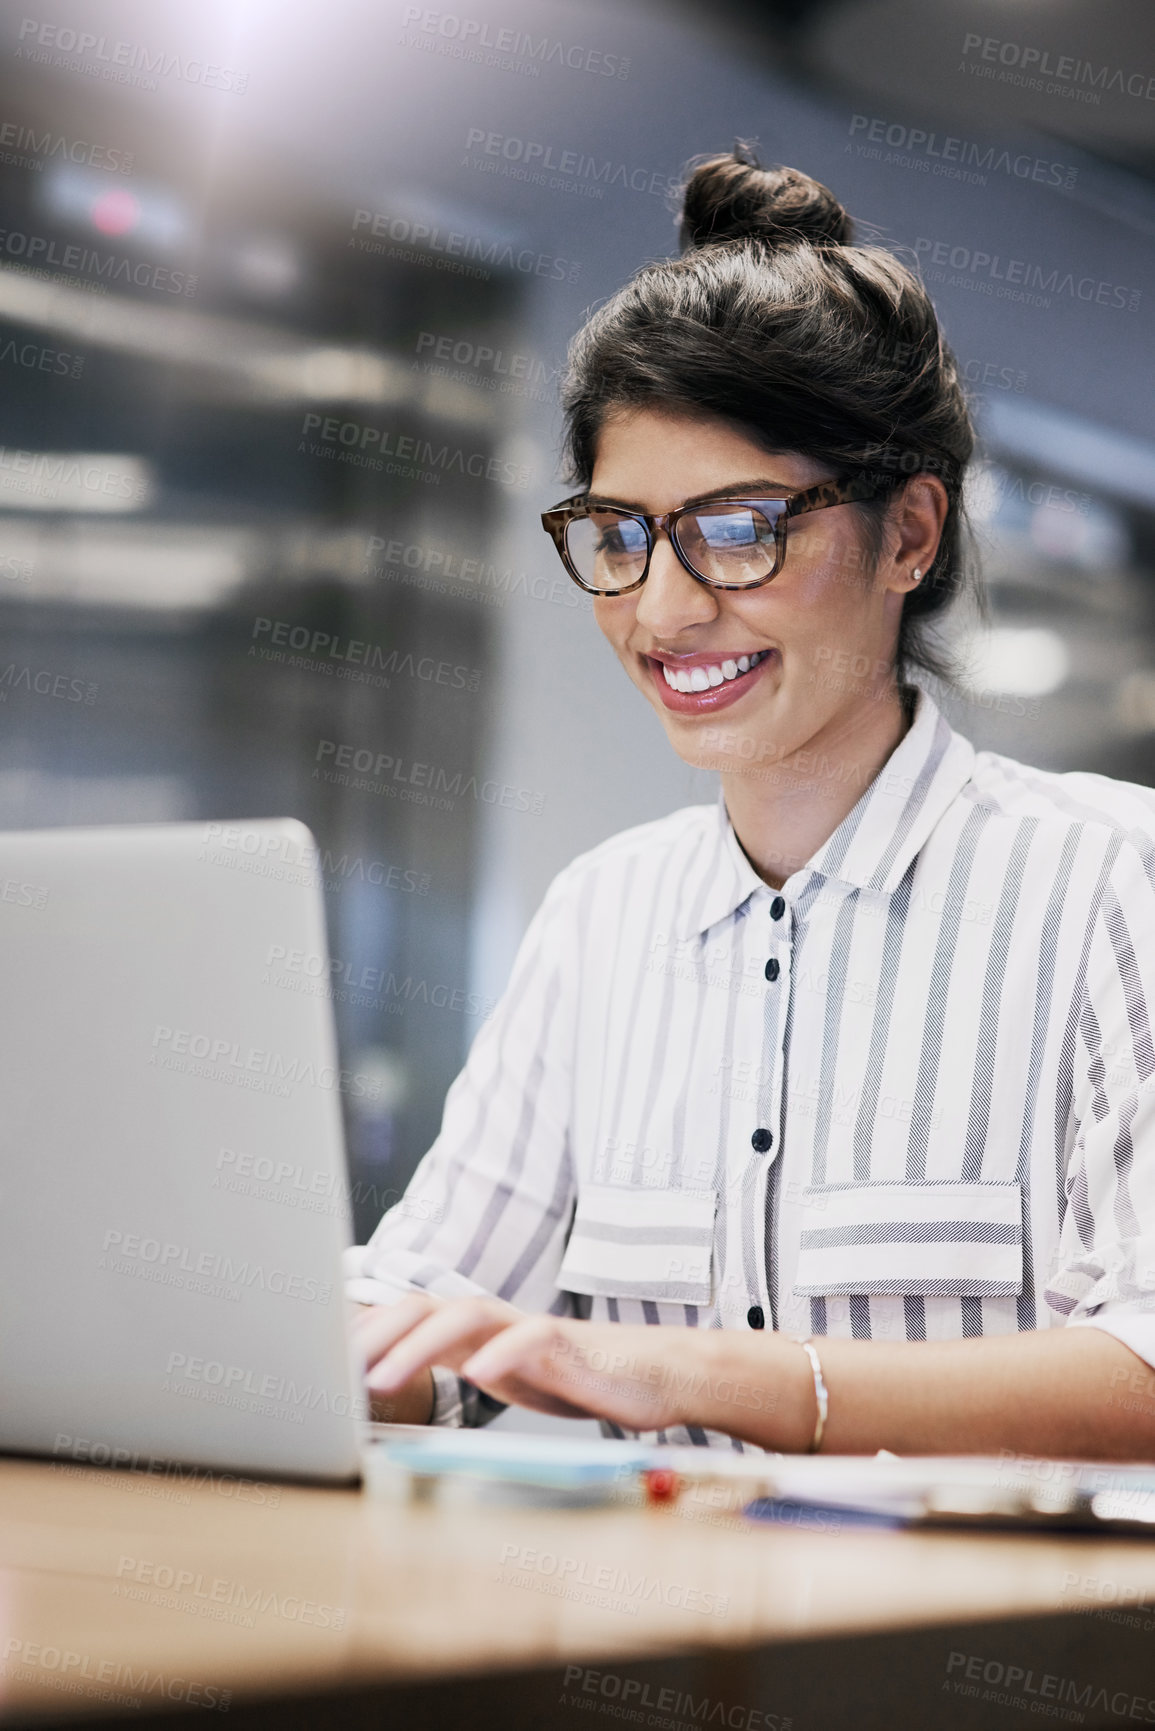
(910, 1096)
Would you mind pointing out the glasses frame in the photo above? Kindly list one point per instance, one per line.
(846, 490)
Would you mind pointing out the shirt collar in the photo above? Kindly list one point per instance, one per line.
(874, 844)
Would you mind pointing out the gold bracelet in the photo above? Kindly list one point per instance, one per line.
(820, 1396)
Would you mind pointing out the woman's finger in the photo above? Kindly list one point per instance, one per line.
(379, 1331)
(528, 1363)
(447, 1336)
(588, 1368)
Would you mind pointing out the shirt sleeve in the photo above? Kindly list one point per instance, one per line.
(488, 1209)
(1106, 1265)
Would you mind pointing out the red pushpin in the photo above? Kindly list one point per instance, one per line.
(661, 1485)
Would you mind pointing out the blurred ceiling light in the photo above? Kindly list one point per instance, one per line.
(167, 572)
(389, 1074)
(1092, 535)
(268, 363)
(450, 400)
(102, 483)
(1026, 661)
(149, 566)
(267, 267)
(149, 213)
(335, 375)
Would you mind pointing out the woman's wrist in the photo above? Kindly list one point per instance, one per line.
(758, 1387)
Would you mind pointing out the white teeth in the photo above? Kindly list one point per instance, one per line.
(676, 681)
(702, 678)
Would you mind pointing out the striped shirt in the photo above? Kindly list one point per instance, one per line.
(910, 1096)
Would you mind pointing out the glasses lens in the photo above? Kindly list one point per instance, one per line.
(732, 544)
(607, 550)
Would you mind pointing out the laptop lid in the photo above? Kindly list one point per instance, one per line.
(173, 1193)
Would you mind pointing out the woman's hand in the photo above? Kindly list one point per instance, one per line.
(412, 1403)
(643, 1378)
(399, 1343)
(555, 1366)
(640, 1377)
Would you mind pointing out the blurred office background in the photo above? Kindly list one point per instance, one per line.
(284, 294)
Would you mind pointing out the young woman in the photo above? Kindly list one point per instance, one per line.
(845, 1082)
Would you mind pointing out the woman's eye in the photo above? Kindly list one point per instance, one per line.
(724, 531)
(737, 534)
(619, 542)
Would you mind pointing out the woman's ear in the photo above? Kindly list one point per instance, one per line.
(920, 513)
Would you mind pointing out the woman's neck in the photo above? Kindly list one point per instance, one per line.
(785, 808)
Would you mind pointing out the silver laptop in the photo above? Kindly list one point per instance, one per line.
(173, 1192)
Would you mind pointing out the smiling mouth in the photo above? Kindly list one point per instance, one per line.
(708, 676)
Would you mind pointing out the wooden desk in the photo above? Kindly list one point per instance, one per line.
(125, 1597)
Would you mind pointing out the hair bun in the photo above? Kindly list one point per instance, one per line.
(732, 197)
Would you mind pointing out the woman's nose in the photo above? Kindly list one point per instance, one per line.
(670, 598)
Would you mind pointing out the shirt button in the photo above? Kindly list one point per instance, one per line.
(755, 1316)
(760, 1141)
(777, 907)
(772, 969)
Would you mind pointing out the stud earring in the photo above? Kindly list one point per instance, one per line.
(917, 574)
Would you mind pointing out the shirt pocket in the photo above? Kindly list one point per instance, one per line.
(641, 1243)
(939, 1239)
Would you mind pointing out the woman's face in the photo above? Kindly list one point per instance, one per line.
(821, 633)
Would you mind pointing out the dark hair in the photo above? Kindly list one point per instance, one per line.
(774, 320)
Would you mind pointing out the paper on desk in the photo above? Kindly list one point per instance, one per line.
(1010, 1490)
